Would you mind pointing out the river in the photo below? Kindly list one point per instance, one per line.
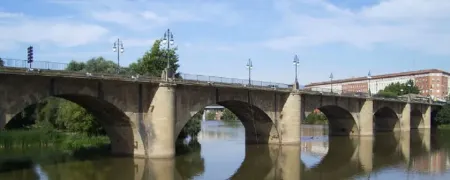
(224, 155)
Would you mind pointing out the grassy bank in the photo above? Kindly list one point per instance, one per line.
(444, 126)
(57, 139)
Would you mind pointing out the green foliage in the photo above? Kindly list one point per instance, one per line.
(37, 137)
(443, 116)
(94, 65)
(395, 89)
(155, 61)
(228, 115)
(316, 118)
(2, 63)
(211, 115)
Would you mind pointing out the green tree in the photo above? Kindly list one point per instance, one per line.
(443, 116)
(93, 65)
(398, 89)
(228, 115)
(211, 115)
(316, 118)
(154, 61)
(2, 63)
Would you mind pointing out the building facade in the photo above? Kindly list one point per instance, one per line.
(431, 82)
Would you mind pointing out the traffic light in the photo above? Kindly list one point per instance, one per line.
(30, 54)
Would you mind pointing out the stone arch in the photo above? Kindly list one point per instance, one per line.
(340, 120)
(416, 119)
(259, 127)
(385, 119)
(116, 123)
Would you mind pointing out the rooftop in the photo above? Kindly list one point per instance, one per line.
(391, 75)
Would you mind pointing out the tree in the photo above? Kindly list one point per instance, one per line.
(316, 118)
(443, 116)
(2, 63)
(211, 115)
(228, 115)
(94, 65)
(155, 61)
(395, 89)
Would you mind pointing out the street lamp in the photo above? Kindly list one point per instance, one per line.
(369, 76)
(118, 46)
(249, 66)
(296, 63)
(168, 39)
(331, 82)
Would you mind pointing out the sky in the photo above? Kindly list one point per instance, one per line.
(348, 38)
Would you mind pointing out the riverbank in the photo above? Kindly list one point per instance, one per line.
(51, 138)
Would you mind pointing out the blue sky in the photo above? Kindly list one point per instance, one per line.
(346, 37)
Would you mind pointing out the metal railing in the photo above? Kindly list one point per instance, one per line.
(61, 69)
(56, 68)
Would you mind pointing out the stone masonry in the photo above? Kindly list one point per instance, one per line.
(143, 118)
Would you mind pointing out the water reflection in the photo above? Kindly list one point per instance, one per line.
(223, 154)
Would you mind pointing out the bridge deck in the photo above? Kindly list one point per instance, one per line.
(229, 82)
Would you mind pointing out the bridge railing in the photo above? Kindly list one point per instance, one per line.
(61, 69)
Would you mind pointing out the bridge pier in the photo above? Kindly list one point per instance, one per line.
(289, 163)
(160, 132)
(290, 122)
(405, 120)
(366, 119)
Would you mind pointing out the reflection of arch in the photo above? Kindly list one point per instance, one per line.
(386, 150)
(256, 158)
(116, 123)
(416, 118)
(259, 127)
(341, 122)
(385, 119)
(434, 113)
(340, 149)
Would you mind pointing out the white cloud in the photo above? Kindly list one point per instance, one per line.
(10, 15)
(134, 42)
(14, 31)
(144, 15)
(416, 24)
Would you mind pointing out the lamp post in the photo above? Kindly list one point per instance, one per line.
(168, 39)
(296, 63)
(118, 46)
(249, 66)
(331, 82)
(369, 76)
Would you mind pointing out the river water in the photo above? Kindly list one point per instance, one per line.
(224, 155)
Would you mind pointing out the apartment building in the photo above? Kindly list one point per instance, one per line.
(431, 82)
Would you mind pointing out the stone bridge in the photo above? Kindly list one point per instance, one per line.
(143, 117)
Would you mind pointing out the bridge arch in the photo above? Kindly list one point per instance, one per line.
(385, 119)
(259, 127)
(416, 118)
(115, 121)
(340, 120)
